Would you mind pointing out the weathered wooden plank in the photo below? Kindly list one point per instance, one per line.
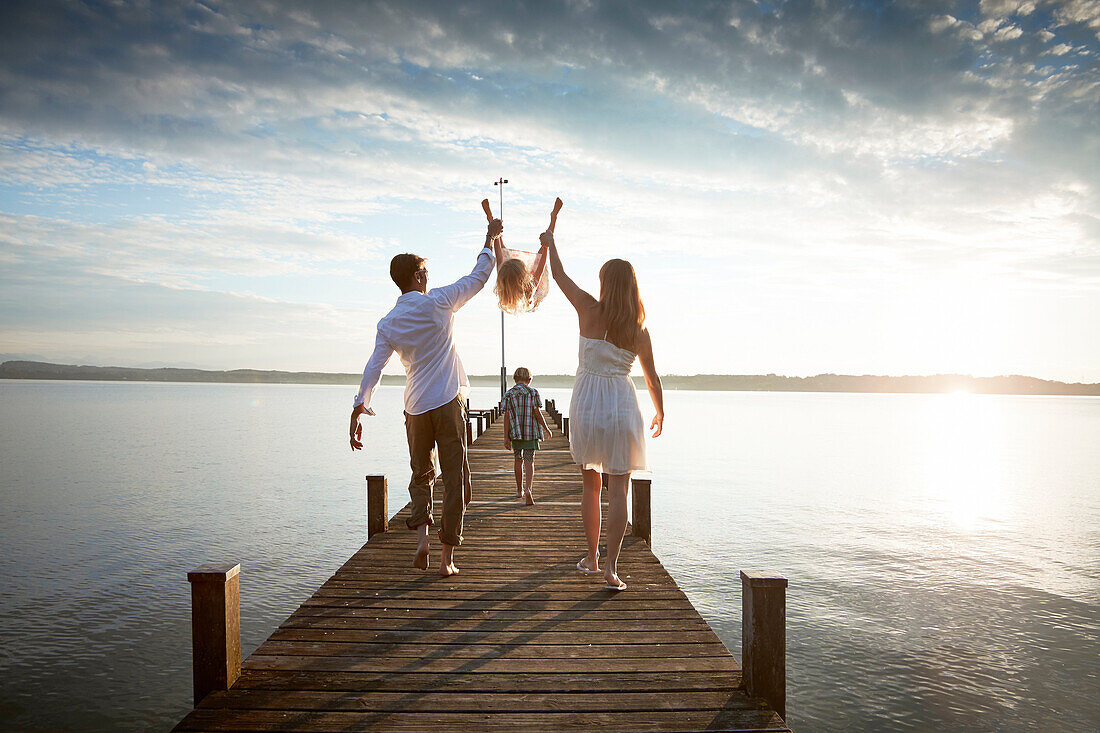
(458, 593)
(428, 663)
(469, 683)
(528, 702)
(610, 614)
(414, 634)
(340, 721)
(484, 649)
(538, 604)
(419, 627)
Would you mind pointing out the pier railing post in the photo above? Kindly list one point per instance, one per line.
(378, 516)
(215, 627)
(639, 519)
(469, 431)
(764, 636)
(565, 427)
(480, 425)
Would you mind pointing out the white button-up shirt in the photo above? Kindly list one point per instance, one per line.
(420, 328)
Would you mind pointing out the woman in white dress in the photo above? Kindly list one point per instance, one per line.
(606, 432)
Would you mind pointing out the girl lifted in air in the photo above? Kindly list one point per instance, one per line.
(521, 283)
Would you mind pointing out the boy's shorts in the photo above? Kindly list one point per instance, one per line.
(525, 449)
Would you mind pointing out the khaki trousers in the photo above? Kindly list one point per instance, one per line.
(440, 432)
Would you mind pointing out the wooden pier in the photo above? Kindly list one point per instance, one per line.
(519, 640)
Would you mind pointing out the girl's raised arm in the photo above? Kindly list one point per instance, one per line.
(572, 292)
(540, 266)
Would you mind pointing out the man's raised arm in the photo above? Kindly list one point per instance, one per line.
(459, 292)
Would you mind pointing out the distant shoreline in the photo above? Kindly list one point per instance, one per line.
(933, 384)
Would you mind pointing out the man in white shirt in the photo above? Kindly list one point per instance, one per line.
(420, 328)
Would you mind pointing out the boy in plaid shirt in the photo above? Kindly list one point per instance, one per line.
(523, 426)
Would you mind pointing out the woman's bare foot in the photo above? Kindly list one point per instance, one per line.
(589, 568)
(528, 499)
(447, 571)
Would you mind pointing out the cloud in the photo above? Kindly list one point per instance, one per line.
(259, 149)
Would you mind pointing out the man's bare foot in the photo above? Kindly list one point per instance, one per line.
(447, 571)
(420, 562)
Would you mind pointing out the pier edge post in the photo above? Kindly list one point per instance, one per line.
(480, 425)
(378, 516)
(469, 431)
(639, 516)
(764, 636)
(565, 427)
(215, 627)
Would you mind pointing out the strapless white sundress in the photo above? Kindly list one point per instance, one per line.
(606, 432)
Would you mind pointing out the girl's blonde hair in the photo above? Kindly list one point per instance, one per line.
(621, 303)
(515, 286)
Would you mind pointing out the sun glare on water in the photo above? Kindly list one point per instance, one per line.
(962, 467)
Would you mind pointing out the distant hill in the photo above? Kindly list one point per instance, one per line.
(938, 383)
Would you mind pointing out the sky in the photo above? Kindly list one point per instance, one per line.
(802, 187)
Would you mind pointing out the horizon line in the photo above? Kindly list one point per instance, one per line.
(698, 375)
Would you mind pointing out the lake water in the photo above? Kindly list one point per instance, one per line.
(943, 551)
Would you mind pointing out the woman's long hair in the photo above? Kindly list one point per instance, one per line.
(621, 303)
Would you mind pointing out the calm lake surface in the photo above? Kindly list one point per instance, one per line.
(943, 551)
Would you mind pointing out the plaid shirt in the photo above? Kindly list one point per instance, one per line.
(521, 402)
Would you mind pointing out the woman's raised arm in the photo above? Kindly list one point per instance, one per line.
(572, 292)
(652, 381)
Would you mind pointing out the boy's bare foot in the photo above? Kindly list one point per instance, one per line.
(420, 561)
(447, 571)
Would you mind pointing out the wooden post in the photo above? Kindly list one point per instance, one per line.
(215, 627)
(565, 426)
(480, 425)
(764, 636)
(639, 517)
(469, 431)
(378, 516)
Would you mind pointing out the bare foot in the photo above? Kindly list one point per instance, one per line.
(528, 499)
(589, 569)
(447, 571)
(420, 562)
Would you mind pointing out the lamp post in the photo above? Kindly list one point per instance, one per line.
(503, 369)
